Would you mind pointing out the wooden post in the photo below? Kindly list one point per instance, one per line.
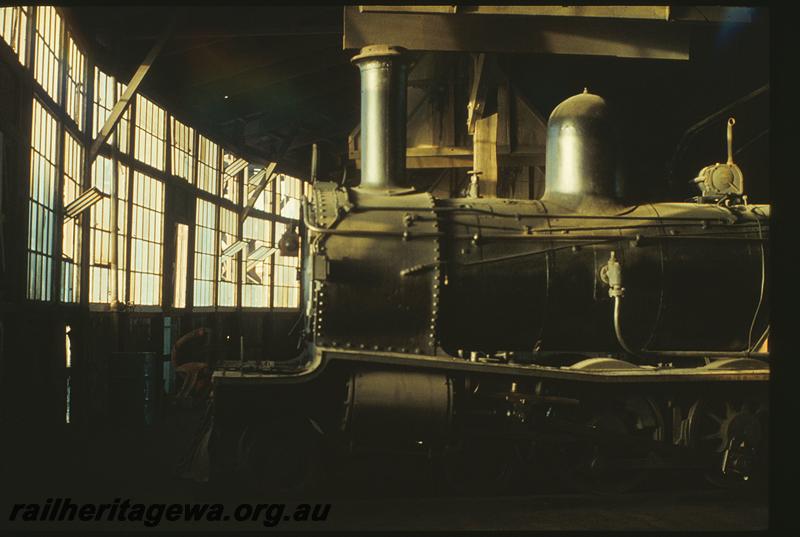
(484, 154)
(537, 184)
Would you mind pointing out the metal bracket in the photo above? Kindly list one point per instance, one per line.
(320, 267)
(266, 176)
(477, 92)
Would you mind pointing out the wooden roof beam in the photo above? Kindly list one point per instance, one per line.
(663, 13)
(536, 35)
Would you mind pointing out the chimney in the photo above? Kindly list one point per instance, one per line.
(383, 116)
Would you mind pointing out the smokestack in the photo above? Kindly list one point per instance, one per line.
(383, 116)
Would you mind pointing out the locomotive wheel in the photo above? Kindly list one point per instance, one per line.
(732, 435)
(279, 456)
(604, 467)
(478, 465)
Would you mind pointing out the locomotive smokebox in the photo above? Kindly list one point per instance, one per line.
(581, 153)
(383, 116)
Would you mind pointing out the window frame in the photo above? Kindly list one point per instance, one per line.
(153, 191)
(209, 253)
(50, 250)
(78, 221)
(79, 113)
(147, 144)
(11, 15)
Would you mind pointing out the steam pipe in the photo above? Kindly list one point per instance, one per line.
(675, 354)
(314, 161)
(612, 276)
(383, 116)
(113, 284)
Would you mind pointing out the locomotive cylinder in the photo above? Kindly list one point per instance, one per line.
(410, 405)
(383, 116)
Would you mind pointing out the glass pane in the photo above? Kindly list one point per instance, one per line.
(287, 285)
(71, 228)
(226, 281)
(150, 141)
(205, 244)
(47, 69)
(182, 150)
(257, 232)
(100, 232)
(14, 29)
(41, 202)
(181, 264)
(76, 82)
(207, 167)
(147, 240)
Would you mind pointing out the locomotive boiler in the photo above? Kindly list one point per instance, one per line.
(585, 331)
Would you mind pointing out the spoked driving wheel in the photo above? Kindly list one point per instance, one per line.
(731, 435)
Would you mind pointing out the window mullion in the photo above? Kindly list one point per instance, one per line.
(271, 261)
(58, 210)
(86, 178)
(129, 200)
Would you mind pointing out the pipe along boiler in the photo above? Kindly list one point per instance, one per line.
(582, 332)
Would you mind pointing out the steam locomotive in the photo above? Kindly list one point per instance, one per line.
(605, 337)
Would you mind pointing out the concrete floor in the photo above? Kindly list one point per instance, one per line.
(653, 511)
(98, 467)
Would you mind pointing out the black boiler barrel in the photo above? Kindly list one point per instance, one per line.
(681, 292)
